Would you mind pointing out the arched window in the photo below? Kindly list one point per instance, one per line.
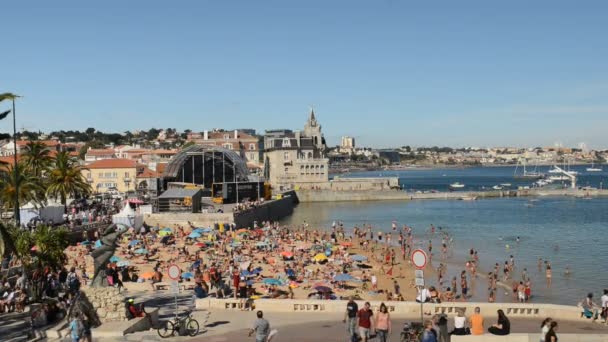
(309, 155)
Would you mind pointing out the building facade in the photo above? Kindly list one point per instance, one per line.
(296, 159)
(246, 145)
(106, 174)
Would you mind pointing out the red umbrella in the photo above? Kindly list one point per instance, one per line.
(135, 201)
(200, 244)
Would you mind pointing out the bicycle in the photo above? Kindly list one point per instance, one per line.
(183, 326)
(412, 332)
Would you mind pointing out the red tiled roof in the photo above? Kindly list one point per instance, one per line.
(144, 172)
(160, 167)
(9, 159)
(47, 143)
(100, 152)
(112, 164)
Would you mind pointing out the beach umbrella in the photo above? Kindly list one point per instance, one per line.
(194, 235)
(133, 243)
(200, 244)
(147, 275)
(187, 275)
(358, 257)
(272, 281)
(97, 243)
(164, 233)
(123, 263)
(320, 257)
(344, 277)
(346, 244)
(114, 258)
(323, 289)
(141, 251)
(287, 254)
(242, 230)
(166, 229)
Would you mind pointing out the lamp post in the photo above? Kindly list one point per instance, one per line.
(15, 168)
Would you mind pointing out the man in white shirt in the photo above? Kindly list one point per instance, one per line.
(423, 296)
(605, 305)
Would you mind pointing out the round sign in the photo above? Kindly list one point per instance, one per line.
(174, 272)
(419, 258)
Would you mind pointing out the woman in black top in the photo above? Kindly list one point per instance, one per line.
(551, 335)
(502, 327)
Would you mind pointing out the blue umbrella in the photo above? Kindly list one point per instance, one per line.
(166, 230)
(344, 277)
(133, 243)
(123, 263)
(358, 257)
(188, 275)
(114, 258)
(272, 281)
(97, 243)
(194, 235)
(141, 251)
(203, 230)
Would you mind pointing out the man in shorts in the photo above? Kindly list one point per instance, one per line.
(365, 322)
(350, 318)
(261, 328)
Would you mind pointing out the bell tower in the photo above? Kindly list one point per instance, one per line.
(312, 129)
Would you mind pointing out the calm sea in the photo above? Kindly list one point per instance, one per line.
(478, 178)
(569, 232)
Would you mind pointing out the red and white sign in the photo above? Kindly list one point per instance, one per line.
(174, 272)
(419, 258)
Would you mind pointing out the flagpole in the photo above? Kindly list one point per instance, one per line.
(15, 168)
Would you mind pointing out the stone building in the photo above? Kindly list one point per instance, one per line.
(296, 159)
(246, 145)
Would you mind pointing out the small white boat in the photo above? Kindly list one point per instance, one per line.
(456, 185)
(497, 187)
(559, 178)
(554, 170)
(594, 169)
(506, 185)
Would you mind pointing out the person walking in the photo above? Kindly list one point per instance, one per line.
(350, 318)
(365, 322)
(261, 328)
(383, 323)
(502, 326)
(76, 328)
(551, 335)
(429, 334)
(544, 328)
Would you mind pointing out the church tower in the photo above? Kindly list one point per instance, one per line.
(313, 129)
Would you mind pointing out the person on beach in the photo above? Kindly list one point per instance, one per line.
(548, 274)
(544, 328)
(502, 326)
(383, 323)
(350, 318)
(463, 285)
(460, 322)
(521, 292)
(476, 321)
(604, 300)
(429, 334)
(590, 309)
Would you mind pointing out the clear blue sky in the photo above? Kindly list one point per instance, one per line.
(390, 73)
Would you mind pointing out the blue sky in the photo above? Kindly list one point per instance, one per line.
(390, 73)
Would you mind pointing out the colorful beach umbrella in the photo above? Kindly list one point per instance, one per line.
(346, 244)
(287, 254)
(320, 257)
(194, 235)
(141, 251)
(272, 281)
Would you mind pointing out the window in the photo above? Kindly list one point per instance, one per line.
(226, 136)
(251, 147)
(286, 142)
(227, 145)
(286, 156)
(126, 175)
(309, 155)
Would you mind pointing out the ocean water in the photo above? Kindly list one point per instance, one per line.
(478, 178)
(568, 232)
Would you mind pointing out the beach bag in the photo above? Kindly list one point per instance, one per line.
(588, 313)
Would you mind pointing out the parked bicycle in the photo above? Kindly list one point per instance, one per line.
(183, 326)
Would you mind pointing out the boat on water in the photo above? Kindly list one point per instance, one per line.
(593, 168)
(473, 198)
(505, 185)
(527, 174)
(456, 185)
(554, 170)
(497, 187)
(559, 178)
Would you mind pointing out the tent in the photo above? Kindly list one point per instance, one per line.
(51, 212)
(128, 217)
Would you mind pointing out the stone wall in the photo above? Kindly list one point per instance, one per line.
(108, 302)
(273, 211)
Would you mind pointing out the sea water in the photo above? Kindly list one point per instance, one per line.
(568, 232)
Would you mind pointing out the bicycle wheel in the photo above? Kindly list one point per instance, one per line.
(166, 329)
(192, 327)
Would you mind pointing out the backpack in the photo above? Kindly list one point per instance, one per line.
(128, 313)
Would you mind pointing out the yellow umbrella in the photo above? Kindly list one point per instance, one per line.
(320, 257)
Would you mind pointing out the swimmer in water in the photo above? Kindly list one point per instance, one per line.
(567, 271)
(517, 239)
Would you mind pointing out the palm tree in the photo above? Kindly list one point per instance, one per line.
(28, 186)
(66, 179)
(7, 243)
(37, 158)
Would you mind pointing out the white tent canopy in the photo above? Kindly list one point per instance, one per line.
(52, 211)
(128, 217)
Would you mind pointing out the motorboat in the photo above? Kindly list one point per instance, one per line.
(554, 170)
(456, 185)
(497, 187)
(506, 185)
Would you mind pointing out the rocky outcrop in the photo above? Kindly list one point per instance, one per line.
(108, 302)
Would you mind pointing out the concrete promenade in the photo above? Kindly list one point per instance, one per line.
(383, 195)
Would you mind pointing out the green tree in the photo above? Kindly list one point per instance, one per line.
(66, 178)
(30, 186)
(37, 158)
(7, 243)
(50, 245)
